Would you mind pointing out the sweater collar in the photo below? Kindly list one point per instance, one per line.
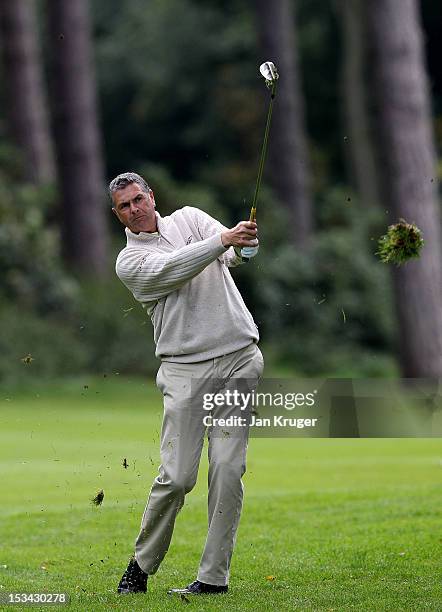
(143, 237)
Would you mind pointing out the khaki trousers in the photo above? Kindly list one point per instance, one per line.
(182, 438)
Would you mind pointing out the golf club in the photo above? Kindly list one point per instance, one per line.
(271, 76)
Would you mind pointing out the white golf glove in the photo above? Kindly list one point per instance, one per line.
(249, 252)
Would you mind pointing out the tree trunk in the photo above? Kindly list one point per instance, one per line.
(358, 144)
(27, 120)
(78, 146)
(288, 155)
(404, 128)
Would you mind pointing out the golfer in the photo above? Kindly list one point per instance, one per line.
(177, 268)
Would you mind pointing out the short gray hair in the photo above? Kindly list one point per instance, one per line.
(127, 178)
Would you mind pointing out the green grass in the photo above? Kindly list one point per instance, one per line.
(339, 524)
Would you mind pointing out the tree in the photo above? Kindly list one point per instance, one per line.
(359, 146)
(288, 152)
(407, 148)
(77, 138)
(25, 103)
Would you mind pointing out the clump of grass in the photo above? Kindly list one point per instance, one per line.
(98, 499)
(402, 242)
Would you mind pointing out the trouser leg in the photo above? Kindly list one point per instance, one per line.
(227, 464)
(182, 439)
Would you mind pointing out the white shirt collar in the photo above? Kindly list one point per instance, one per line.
(144, 237)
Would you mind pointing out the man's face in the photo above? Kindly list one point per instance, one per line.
(135, 208)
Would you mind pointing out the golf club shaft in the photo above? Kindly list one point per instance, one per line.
(263, 154)
(263, 157)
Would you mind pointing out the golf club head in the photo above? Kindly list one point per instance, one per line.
(269, 72)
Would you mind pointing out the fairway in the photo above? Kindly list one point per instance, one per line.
(327, 524)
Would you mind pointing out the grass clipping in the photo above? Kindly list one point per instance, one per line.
(402, 242)
(98, 499)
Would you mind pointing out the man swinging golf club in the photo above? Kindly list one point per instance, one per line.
(177, 268)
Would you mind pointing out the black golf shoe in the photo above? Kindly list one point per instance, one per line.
(199, 588)
(134, 580)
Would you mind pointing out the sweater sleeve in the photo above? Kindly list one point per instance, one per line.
(208, 226)
(151, 276)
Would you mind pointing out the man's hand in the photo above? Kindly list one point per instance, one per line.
(244, 234)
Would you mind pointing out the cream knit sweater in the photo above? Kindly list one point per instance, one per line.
(180, 275)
